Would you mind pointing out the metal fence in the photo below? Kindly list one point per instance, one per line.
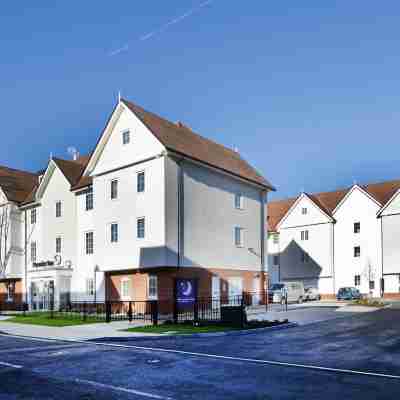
(202, 309)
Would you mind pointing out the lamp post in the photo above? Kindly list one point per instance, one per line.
(96, 269)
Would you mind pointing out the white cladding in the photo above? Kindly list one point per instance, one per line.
(306, 246)
(358, 207)
(390, 231)
(324, 257)
(188, 209)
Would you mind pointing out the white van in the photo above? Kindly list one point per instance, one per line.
(292, 291)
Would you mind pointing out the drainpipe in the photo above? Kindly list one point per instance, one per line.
(382, 278)
(180, 212)
(26, 256)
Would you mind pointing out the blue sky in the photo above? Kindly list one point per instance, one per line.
(308, 91)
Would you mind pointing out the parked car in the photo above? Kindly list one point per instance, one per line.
(348, 293)
(311, 293)
(290, 291)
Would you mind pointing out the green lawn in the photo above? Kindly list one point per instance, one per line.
(44, 319)
(182, 329)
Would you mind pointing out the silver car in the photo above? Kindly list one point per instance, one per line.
(311, 293)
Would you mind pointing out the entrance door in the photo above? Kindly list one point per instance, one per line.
(216, 292)
(235, 290)
(256, 291)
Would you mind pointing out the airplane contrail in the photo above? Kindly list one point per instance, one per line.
(162, 28)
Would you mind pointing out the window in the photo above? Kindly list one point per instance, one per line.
(239, 237)
(357, 251)
(114, 233)
(89, 242)
(276, 260)
(275, 238)
(58, 209)
(239, 201)
(304, 235)
(371, 285)
(33, 252)
(126, 137)
(89, 201)
(90, 287)
(114, 189)
(140, 182)
(357, 280)
(33, 216)
(305, 258)
(304, 211)
(357, 227)
(152, 287)
(125, 288)
(141, 228)
(58, 245)
(10, 291)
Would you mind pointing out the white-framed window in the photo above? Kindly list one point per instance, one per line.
(33, 252)
(10, 291)
(357, 280)
(33, 216)
(58, 244)
(304, 235)
(141, 228)
(239, 236)
(140, 178)
(89, 242)
(305, 258)
(89, 201)
(357, 227)
(239, 201)
(304, 210)
(114, 189)
(275, 238)
(276, 260)
(357, 251)
(114, 232)
(58, 209)
(90, 287)
(125, 288)
(126, 136)
(152, 287)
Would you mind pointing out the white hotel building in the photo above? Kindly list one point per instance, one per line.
(153, 202)
(330, 240)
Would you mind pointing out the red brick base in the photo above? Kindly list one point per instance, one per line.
(394, 296)
(18, 295)
(166, 278)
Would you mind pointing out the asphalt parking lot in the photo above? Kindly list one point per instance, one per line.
(352, 357)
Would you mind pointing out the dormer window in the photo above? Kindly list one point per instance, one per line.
(126, 137)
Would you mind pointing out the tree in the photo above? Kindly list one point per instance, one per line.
(5, 228)
(370, 274)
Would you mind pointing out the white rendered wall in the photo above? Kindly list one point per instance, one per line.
(357, 208)
(210, 217)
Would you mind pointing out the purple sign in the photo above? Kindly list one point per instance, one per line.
(186, 291)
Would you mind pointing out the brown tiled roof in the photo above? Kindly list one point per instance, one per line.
(180, 139)
(328, 201)
(276, 211)
(383, 191)
(72, 170)
(17, 184)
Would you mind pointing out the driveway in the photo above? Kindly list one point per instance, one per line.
(357, 357)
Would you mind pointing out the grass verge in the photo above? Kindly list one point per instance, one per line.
(187, 329)
(44, 319)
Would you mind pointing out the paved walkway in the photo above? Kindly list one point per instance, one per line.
(78, 332)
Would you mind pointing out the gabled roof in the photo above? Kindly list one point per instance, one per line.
(276, 211)
(17, 184)
(71, 169)
(180, 139)
(328, 201)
